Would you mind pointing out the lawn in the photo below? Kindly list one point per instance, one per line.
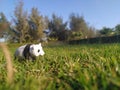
(66, 67)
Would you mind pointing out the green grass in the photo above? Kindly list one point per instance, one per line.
(66, 67)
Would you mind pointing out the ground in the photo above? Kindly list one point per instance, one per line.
(66, 67)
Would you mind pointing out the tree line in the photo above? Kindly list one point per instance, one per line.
(35, 27)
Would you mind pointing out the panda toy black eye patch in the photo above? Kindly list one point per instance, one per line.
(38, 50)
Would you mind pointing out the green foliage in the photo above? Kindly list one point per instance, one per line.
(36, 25)
(2, 17)
(58, 28)
(21, 23)
(92, 32)
(4, 25)
(77, 22)
(106, 31)
(27, 28)
(117, 29)
(79, 25)
(66, 67)
(76, 35)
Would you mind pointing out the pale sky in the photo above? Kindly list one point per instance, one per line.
(97, 13)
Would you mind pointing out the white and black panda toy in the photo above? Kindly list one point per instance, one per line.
(29, 52)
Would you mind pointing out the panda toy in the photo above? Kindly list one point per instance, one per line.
(29, 52)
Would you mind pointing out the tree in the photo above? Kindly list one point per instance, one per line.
(4, 26)
(91, 32)
(78, 24)
(117, 29)
(21, 24)
(106, 31)
(57, 28)
(37, 25)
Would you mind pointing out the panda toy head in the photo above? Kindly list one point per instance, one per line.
(29, 51)
(36, 50)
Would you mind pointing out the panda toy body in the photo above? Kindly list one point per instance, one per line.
(29, 51)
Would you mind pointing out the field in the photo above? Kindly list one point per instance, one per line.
(66, 67)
